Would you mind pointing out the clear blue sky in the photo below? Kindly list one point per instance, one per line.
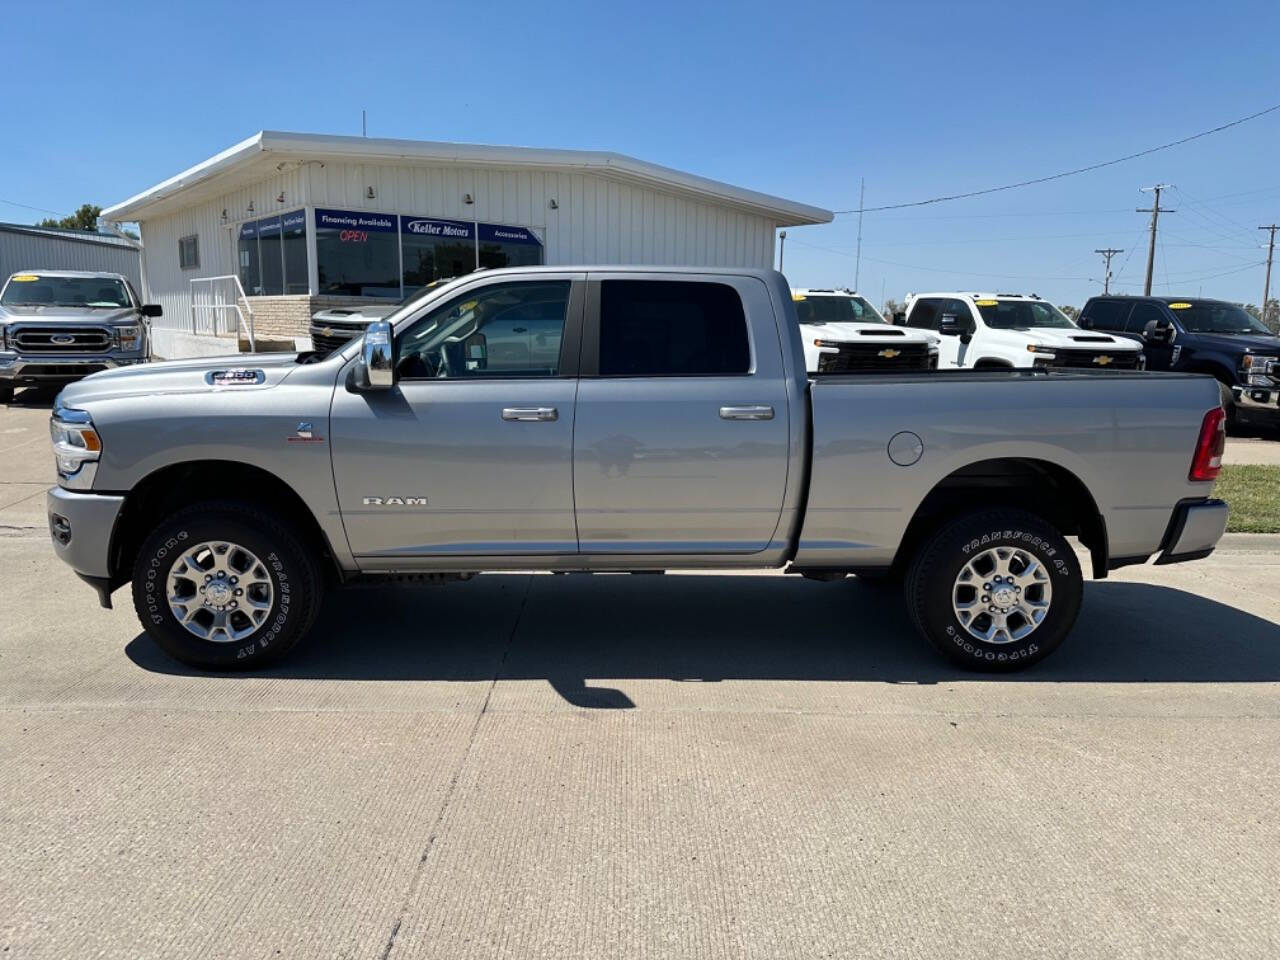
(798, 99)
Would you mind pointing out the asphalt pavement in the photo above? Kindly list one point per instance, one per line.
(699, 766)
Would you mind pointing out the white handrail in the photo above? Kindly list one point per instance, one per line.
(214, 302)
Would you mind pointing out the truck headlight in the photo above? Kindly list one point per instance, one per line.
(129, 337)
(833, 344)
(1257, 370)
(1035, 348)
(76, 447)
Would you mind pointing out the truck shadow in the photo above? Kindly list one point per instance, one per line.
(568, 629)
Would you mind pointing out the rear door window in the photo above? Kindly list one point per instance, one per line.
(1144, 313)
(1107, 314)
(924, 314)
(672, 328)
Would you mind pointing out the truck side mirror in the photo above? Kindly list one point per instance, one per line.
(375, 370)
(152, 310)
(1084, 323)
(1158, 331)
(900, 318)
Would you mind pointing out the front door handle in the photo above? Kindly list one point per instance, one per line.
(530, 413)
(751, 411)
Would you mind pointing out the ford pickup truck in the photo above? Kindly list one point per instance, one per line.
(59, 325)
(633, 419)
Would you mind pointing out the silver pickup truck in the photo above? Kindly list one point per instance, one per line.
(60, 325)
(627, 419)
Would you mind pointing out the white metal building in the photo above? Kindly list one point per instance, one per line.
(300, 222)
(25, 247)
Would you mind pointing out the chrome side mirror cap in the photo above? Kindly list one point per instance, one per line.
(376, 368)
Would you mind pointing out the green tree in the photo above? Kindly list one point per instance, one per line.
(891, 307)
(86, 218)
(1073, 313)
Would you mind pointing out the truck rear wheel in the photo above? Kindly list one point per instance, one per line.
(997, 590)
(224, 586)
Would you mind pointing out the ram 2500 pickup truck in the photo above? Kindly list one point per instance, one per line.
(60, 325)
(631, 419)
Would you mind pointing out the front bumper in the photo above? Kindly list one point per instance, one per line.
(34, 369)
(81, 526)
(1194, 531)
(1257, 403)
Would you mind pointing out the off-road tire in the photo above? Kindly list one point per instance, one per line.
(932, 576)
(291, 569)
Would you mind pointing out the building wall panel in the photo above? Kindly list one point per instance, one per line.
(598, 220)
(30, 251)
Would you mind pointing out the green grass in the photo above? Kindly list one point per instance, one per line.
(1253, 493)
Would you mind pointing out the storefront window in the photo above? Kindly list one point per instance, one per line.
(269, 257)
(247, 257)
(357, 254)
(294, 241)
(436, 249)
(508, 246)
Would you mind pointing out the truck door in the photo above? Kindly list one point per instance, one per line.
(470, 453)
(681, 437)
(1159, 355)
(925, 314)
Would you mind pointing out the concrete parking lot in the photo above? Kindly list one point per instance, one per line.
(681, 766)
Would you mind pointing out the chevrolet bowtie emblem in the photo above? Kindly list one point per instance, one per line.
(1102, 359)
(890, 353)
(327, 332)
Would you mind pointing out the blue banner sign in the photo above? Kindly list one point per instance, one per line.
(355, 220)
(442, 229)
(270, 227)
(248, 230)
(496, 233)
(295, 221)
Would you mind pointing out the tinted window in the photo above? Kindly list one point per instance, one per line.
(1106, 314)
(1021, 314)
(505, 330)
(1207, 316)
(665, 328)
(816, 308)
(1144, 313)
(30, 289)
(924, 314)
(358, 253)
(188, 253)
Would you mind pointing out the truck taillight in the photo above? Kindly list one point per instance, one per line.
(1209, 446)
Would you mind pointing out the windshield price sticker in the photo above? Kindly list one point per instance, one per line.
(25, 278)
(987, 303)
(1179, 306)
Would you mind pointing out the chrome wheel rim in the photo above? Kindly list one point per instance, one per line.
(1002, 595)
(219, 591)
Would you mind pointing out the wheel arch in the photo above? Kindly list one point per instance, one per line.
(993, 363)
(1041, 487)
(177, 485)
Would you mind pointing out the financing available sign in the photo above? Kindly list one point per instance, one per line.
(355, 220)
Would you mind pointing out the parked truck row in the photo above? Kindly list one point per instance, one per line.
(623, 419)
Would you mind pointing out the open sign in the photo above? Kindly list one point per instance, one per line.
(354, 236)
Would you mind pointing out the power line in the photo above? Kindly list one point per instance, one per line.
(1068, 173)
(1271, 228)
(27, 206)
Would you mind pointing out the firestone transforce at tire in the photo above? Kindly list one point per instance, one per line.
(996, 590)
(224, 586)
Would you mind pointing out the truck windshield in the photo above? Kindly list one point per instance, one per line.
(1021, 314)
(39, 290)
(1202, 316)
(825, 309)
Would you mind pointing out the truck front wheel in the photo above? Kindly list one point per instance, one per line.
(224, 586)
(997, 590)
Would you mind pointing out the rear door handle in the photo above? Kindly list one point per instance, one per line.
(751, 411)
(530, 413)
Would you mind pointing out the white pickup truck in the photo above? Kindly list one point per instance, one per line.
(978, 331)
(842, 333)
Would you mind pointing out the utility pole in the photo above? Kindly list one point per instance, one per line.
(1107, 254)
(1155, 210)
(1266, 284)
(857, 263)
(782, 246)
